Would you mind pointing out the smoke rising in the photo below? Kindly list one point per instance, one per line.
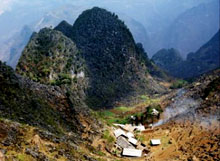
(181, 105)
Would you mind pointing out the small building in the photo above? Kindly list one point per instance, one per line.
(129, 127)
(119, 132)
(155, 142)
(155, 112)
(119, 125)
(140, 128)
(132, 152)
(132, 141)
(124, 143)
(130, 135)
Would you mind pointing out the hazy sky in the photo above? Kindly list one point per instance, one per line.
(148, 12)
(5, 5)
(156, 16)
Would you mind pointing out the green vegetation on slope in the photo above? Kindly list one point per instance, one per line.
(103, 68)
(35, 104)
(117, 67)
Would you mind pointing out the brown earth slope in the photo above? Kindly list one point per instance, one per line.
(193, 134)
(40, 122)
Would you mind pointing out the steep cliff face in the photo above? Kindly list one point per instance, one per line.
(49, 56)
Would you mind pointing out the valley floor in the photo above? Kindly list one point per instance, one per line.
(188, 127)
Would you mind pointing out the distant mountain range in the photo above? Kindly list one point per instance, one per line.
(169, 60)
(203, 60)
(193, 28)
(155, 25)
(13, 47)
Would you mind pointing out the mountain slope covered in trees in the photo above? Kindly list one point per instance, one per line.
(112, 67)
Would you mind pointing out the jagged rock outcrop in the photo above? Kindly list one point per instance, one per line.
(41, 122)
(52, 58)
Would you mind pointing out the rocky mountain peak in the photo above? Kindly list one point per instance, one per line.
(105, 66)
(56, 58)
(168, 56)
(65, 28)
(116, 67)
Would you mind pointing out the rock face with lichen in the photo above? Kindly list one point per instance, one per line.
(105, 64)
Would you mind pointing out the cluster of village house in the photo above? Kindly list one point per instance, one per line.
(128, 144)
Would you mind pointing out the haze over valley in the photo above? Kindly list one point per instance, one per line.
(156, 24)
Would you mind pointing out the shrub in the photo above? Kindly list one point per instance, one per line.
(107, 136)
(179, 84)
(123, 109)
(150, 108)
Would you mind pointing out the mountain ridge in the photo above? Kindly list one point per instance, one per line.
(114, 67)
(193, 28)
(205, 59)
